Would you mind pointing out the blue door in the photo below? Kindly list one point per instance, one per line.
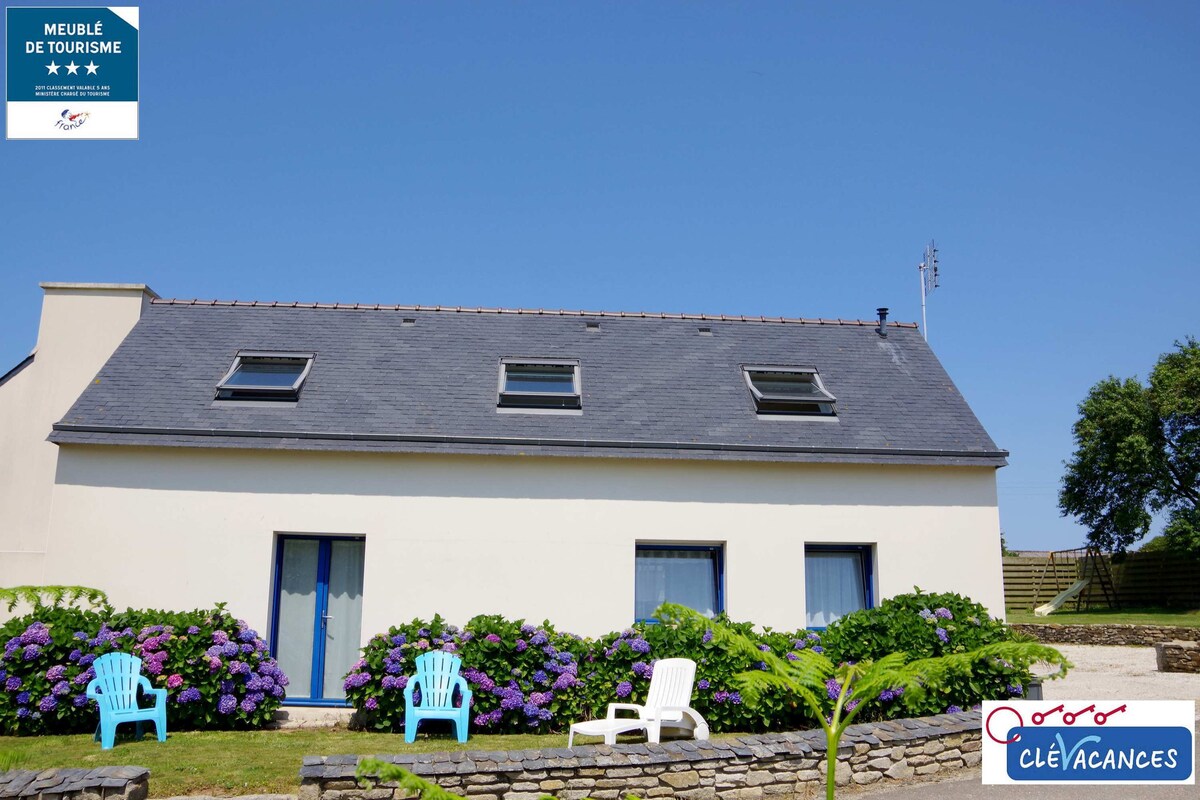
(317, 615)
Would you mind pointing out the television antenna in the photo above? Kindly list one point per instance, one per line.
(930, 280)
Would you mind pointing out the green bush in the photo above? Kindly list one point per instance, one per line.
(216, 670)
(534, 678)
(924, 625)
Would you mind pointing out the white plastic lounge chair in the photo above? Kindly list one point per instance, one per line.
(668, 706)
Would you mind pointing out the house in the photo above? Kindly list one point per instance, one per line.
(329, 470)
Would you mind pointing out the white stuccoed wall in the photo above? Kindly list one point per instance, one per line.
(525, 537)
(81, 326)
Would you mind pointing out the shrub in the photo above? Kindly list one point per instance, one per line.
(216, 670)
(924, 625)
(534, 678)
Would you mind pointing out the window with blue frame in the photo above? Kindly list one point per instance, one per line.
(837, 582)
(690, 575)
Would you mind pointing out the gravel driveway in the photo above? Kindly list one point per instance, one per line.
(1119, 673)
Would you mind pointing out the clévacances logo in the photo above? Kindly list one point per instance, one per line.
(1089, 741)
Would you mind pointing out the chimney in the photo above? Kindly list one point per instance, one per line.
(882, 329)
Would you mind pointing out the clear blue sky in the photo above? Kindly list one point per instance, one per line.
(742, 158)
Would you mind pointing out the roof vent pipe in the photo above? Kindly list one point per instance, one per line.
(882, 329)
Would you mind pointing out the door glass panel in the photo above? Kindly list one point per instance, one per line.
(834, 585)
(343, 621)
(297, 611)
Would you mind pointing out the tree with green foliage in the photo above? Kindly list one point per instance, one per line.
(1137, 454)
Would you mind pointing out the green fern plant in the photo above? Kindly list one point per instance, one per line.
(812, 676)
(413, 784)
(39, 597)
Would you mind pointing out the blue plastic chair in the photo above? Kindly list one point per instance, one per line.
(437, 677)
(115, 690)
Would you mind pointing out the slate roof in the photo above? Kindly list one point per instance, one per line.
(652, 385)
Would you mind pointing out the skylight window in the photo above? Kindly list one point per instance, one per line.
(265, 376)
(539, 383)
(796, 391)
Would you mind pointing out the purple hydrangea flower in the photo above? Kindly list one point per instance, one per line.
(624, 689)
(174, 681)
(565, 681)
(75, 655)
(188, 695)
(792, 657)
(539, 638)
(766, 648)
(541, 677)
(37, 633)
(79, 700)
(1016, 689)
(833, 688)
(23, 699)
(56, 673)
(643, 670)
(639, 645)
(520, 646)
(941, 634)
(493, 638)
(356, 679)
(853, 704)
(192, 630)
(230, 649)
(399, 639)
(953, 710)
(61, 688)
(248, 706)
(925, 614)
(720, 696)
(707, 637)
(12, 683)
(944, 613)
(22, 712)
(703, 684)
(371, 704)
(527, 629)
(816, 648)
(888, 695)
(220, 637)
(86, 660)
(31, 652)
(48, 704)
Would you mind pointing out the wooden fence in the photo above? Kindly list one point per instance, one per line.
(1141, 580)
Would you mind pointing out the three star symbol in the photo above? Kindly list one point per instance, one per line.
(72, 68)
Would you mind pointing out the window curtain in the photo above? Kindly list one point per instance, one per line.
(344, 626)
(833, 585)
(686, 577)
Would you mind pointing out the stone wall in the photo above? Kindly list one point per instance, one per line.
(1178, 656)
(1144, 635)
(100, 783)
(779, 765)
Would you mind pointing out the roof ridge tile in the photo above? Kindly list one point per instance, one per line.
(562, 312)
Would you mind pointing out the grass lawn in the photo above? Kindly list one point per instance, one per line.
(1131, 616)
(222, 762)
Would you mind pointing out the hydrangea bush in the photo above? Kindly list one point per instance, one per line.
(925, 625)
(527, 678)
(217, 671)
